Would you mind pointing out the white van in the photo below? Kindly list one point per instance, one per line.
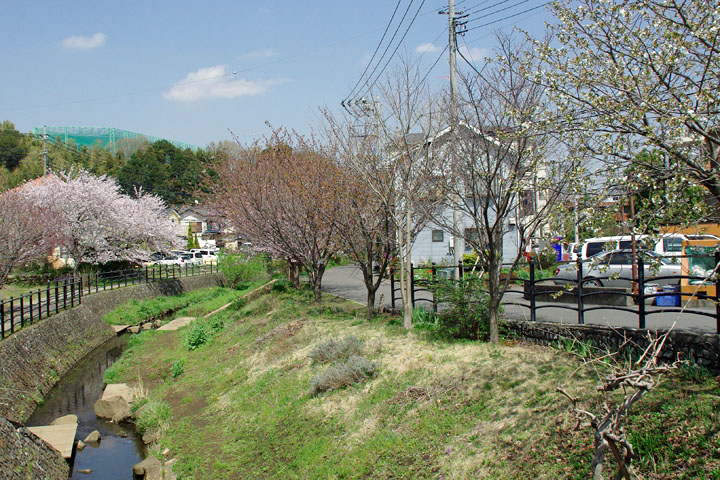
(669, 244)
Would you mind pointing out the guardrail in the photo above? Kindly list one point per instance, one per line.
(434, 274)
(63, 293)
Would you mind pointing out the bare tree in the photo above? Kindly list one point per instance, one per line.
(403, 116)
(362, 221)
(634, 379)
(281, 196)
(498, 160)
(27, 231)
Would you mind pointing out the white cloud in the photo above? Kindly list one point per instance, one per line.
(474, 54)
(268, 52)
(79, 42)
(216, 82)
(426, 48)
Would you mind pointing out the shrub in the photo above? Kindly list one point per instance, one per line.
(281, 285)
(467, 315)
(177, 368)
(196, 336)
(240, 269)
(335, 349)
(353, 370)
(237, 304)
(155, 415)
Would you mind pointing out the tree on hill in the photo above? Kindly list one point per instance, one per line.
(13, 146)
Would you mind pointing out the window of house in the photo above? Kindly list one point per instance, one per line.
(527, 203)
(437, 236)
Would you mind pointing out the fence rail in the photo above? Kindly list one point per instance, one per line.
(18, 312)
(434, 274)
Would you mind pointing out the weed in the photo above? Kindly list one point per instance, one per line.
(354, 370)
(241, 269)
(196, 336)
(281, 285)
(154, 415)
(693, 372)
(177, 368)
(335, 349)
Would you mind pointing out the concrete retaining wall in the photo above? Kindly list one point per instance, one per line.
(704, 349)
(23, 456)
(34, 359)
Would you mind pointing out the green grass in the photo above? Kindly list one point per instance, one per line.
(195, 303)
(242, 406)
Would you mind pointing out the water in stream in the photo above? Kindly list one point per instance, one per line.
(120, 447)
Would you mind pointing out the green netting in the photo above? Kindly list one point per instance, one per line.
(106, 137)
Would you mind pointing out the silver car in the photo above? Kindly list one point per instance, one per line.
(614, 269)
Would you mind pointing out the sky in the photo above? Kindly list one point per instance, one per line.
(201, 72)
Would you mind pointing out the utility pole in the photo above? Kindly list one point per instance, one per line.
(44, 150)
(458, 230)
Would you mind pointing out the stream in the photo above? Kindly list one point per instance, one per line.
(120, 446)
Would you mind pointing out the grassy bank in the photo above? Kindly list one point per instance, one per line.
(192, 304)
(245, 403)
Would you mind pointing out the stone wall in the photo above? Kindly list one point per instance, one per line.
(34, 359)
(703, 349)
(23, 456)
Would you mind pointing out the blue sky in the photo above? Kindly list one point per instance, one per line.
(192, 71)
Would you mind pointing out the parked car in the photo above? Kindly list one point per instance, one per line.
(208, 255)
(191, 258)
(669, 244)
(614, 269)
(169, 260)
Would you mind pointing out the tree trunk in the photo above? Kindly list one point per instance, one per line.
(494, 294)
(294, 273)
(406, 272)
(370, 303)
(316, 279)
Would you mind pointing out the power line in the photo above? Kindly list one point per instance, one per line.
(476, 9)
(508, 17)
(387, 27)
(397, 29)
(501, 10)
(369, 87)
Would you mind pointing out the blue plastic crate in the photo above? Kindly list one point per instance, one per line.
(666, 300)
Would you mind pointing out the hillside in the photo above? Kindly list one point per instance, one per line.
(241, 405)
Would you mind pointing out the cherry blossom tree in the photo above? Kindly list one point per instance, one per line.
(27, 231)
(281, 197)
(634, 76)
(98, 223)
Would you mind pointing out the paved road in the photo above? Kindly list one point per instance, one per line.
(347, 282)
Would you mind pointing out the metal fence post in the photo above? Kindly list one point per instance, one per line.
(39, 292)
(532, 291)
(22, 311)
(2, 318)
(717, 292)
(72, 293)
(65, 293)
(47, 300)
(641, 292)
(412, 285)
(57, 296)
(461, 270)
(581, 307)
(12, 316)
(434, 288)
(30, 299)
(392, 287)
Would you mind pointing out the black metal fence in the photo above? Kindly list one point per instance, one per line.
(63, 293)
(425, 279)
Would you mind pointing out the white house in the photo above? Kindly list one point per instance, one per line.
(435, 244)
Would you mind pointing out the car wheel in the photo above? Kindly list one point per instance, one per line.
(593, 283)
